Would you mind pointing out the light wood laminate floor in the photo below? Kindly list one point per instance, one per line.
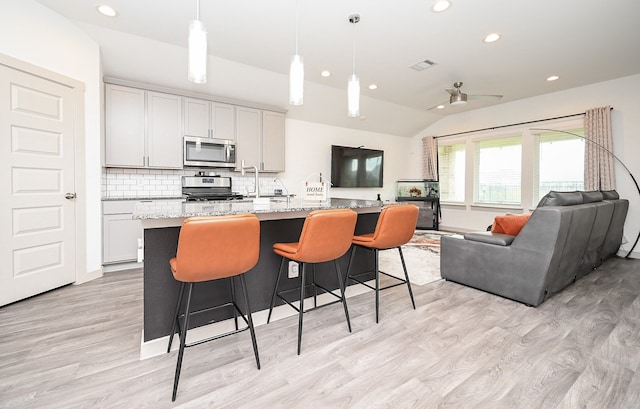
(78, 347)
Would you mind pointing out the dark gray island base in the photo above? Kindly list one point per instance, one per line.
(279, 222)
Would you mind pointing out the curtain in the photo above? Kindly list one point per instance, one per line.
(598, 150)
(429, 158)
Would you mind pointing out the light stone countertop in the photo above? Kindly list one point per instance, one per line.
(167, 213)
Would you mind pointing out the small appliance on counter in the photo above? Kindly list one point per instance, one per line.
(202, 187)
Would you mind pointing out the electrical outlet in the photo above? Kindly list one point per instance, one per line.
(293, 269)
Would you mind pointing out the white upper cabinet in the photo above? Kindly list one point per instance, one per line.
(164, 136)
(196, 117)
(273, 141)
(124, 126)
(260, 139)
(142, 129)
(208, 119)
(248, 131)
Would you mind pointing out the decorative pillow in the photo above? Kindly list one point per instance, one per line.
(510, 224)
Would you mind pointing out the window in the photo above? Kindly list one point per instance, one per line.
(451, 160)
(559, 162)
(497, 173)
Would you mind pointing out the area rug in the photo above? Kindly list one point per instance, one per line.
(421, 255)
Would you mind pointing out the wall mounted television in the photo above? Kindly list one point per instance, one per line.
(356, 167)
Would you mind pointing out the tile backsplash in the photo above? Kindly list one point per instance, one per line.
(156, 183)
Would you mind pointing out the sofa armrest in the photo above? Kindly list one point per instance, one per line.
(490, 238)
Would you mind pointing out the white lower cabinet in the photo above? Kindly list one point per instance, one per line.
(120, 232)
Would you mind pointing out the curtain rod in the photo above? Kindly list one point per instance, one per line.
(506, 126)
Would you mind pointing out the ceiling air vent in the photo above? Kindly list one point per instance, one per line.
(422, 65)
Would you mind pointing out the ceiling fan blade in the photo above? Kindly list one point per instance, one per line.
(452, 91)
(485, 96)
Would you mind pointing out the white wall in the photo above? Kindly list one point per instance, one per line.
(621, 94)
(308, 151)
(34, 34)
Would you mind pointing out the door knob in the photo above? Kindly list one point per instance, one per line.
(70, 196)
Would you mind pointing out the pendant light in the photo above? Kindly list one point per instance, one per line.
(353, 87)
(296, 73)
(197, 49)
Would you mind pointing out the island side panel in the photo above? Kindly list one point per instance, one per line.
(161, 289)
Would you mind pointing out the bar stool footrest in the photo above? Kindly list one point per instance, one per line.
(297, 289)
(355, 278)
(226, 334)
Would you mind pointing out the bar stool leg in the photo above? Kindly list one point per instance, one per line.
(315, 289)
(233, 301)
(275, 290)
(183, 339)
(375, 252)
(250, 320)
(406, 276)
(344, 298)
(175, 317)
(353, 253)
(301, 312)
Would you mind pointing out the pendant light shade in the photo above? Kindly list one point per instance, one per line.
(197, 50)
(353, 96)
(353, 86)
(296, 73)
(296, 80)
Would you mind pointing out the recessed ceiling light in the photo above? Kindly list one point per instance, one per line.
(373, 86)
(326, 73)
(493, 37)
(440, 107)
(552, 78)
(107, 10)
(440, 5)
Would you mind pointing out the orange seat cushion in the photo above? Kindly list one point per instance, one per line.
(510, 224)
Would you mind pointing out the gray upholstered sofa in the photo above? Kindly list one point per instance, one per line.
(567, 236)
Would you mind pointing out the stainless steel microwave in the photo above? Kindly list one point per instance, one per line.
(208, 152)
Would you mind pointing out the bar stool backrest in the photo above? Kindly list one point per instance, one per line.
(395, 226)
(326, 235)
(213, 247)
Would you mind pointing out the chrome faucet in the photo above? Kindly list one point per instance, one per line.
(285, 190)
(257, 179)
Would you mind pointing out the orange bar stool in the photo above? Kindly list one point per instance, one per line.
(394, 228)
(213, 248)
(326, 236)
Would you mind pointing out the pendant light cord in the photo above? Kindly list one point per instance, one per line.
(354, 48)
(296, 27)
(198, 10)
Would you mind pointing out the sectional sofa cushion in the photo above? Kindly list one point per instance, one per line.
(554, 198)
(610, 195)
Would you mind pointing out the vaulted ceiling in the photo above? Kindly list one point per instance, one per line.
(581, 41)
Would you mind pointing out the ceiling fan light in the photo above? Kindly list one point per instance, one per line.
(197, 52)
(296, 80)
(458, 99)
(440, 6)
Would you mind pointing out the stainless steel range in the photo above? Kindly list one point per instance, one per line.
(205, 188)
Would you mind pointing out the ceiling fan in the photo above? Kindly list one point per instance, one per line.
(457, 97)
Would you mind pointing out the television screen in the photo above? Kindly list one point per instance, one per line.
(356, 167)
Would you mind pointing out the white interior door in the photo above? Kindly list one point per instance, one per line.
(37, 222)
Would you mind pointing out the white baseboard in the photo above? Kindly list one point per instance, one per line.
(110, 268)
(83, 278)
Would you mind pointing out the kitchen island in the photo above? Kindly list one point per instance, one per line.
(281, 220)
